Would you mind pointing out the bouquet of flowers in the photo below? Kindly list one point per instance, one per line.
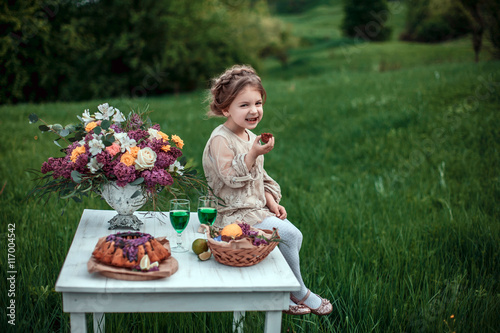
(107, 146)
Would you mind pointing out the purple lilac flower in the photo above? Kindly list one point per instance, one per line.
(164, 160)
(47, 166)
(108, 163)
(135, 122)
(116, 128)
(157, 176)
(137, 135)
(245, 228)
(156, 127)
(259, 241)
(60, 167)
(124, 174)
(155, 144)
(175, 152)
(81, 163)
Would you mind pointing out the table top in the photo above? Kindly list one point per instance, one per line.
(194, 275)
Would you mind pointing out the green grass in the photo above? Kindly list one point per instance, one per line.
(388, 159)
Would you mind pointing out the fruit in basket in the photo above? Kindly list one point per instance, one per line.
(232, 230)
(200, 245)
(204, 255)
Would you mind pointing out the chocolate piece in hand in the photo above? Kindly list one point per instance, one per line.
(265, 137)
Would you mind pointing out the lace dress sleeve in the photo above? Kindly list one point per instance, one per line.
(271, 186)
(229, 166)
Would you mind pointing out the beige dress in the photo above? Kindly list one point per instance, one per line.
(242, 190)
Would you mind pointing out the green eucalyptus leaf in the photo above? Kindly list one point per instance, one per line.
(33, 118)
(57, 127)
(64, 133)
(97, 130)
(136, 194)
(76, 176)
(44, 128)
(70, 128)
(137, 181)
(57, 143)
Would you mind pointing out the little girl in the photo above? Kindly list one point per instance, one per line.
(233, 161)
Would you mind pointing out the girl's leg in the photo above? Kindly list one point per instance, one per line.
(292, 241)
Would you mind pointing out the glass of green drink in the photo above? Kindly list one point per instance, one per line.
(207, 209)
(179, 218)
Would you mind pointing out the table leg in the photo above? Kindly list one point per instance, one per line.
(273, 322)
(238, 318)
(99, 322)
(78, 323)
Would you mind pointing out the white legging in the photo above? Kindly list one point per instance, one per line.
(292, 241)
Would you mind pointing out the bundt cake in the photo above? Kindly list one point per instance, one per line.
(127, 249)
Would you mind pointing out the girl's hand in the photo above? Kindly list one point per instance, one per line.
(274, 207)
(280, 212)
(262, 149)
(258, 149)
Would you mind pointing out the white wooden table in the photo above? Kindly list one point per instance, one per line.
(198, 286)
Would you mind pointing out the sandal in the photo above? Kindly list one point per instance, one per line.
(324, 309)
(297, 310)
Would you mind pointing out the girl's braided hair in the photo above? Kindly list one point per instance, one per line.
(228, 85)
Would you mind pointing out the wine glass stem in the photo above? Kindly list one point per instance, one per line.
(179, 240)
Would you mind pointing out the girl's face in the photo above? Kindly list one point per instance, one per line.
(245, 111)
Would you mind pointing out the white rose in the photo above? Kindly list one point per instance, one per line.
(146, 159)
(154, 133)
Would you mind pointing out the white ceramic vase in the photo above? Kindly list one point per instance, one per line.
(125, 200)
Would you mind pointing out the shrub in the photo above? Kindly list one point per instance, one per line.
(366, 19)
(434, 21)
(94, 49)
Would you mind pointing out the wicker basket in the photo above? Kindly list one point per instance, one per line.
(241, 252)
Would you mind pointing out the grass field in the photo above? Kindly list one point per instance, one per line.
(388, 159)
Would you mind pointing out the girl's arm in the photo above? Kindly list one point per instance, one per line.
(227, 166)
(258, 149)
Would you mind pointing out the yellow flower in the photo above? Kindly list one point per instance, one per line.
(133, 151)
(163, 135)
(165, 148)
(77, 152)
(90, 126)
(178, 141)
(127, 159)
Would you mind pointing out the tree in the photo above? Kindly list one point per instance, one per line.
(366, 19)
(484, 15)
(75, 50)
(432, 21)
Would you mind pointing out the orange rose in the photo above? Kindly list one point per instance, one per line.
(133, 151)
(77, 152)
(166, 148)
(163, 135)
(178, 141)
(90, 126)
(127, 159)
